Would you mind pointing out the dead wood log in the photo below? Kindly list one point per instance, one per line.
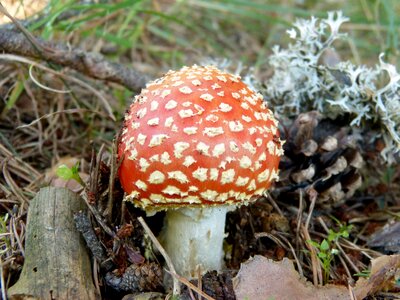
(56, 265)
(89, 63)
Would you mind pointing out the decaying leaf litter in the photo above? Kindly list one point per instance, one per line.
(319, 216)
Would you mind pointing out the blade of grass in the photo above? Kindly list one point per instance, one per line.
(14, 96)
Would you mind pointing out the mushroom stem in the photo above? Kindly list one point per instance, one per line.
(194, 237)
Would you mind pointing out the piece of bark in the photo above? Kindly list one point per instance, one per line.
(56, 265)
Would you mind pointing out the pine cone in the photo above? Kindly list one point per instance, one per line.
(321, 154)
(137, 278)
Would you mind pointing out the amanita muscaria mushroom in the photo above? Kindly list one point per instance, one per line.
(197, 142)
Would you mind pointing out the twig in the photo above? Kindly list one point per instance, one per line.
(351, 293)
(98, 217)
(191, 286)
(94, 173)
(96, 276)
(176, 286)
(91, 64)
(113, 168)
(316, 267)
(280, 243)
(2, 282)
(273, 203)
(300, 269)
(13, 186)
(345, 266)
(16, 234)
(84, 226)
(313, 195)
(299, 220)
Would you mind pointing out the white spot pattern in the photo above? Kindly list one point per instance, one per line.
(153, 122)
(228, 176)
(209, 195)
(224, 107)
(179, 147)
(157, 139)
(156, 177)
(235, 126)
(172, 190)
(263, 176)
(190, 130)
(185, 90)
(165, 158)
(200, 174)
(141, 138)
(179, 176)
(144, 164)
(206, 97)
(203, 148)
(141, 185)
(213, 131)
(218, 150)
(245, 162)
(171, 104)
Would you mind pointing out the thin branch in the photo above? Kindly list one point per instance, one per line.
(191, 286)
(176, 288)
(89, 63)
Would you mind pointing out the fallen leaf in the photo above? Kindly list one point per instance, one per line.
(384, 272)
(264, 279)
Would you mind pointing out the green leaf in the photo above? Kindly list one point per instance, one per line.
(322, 255)
(75, 169)
(324, 245)
(313, 243)
(14, 96)
(64, 172)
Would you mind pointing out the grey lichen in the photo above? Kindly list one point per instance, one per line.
(302, 81)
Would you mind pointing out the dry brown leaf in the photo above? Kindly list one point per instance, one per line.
(384, 272)
(264, 279)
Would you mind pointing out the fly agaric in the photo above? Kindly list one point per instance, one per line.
(196, 143)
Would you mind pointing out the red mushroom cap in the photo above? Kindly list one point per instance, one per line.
(198, 136)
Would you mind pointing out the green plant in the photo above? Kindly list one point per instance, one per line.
(4, 240)
(327, 247)
(66, 173)
(363, 273)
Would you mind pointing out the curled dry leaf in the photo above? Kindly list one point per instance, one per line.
(262, 278)
(384, 272)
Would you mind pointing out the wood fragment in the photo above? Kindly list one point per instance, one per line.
(56, 265)
(91, 64)
(84, 226)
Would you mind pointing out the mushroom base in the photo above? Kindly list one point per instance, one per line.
(193, 237)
